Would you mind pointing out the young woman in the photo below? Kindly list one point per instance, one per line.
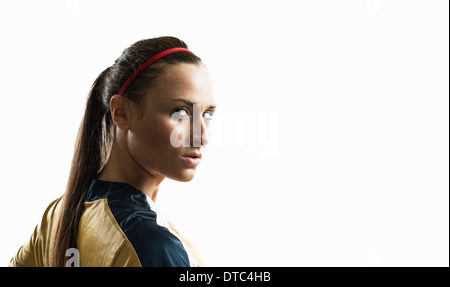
(147, 118)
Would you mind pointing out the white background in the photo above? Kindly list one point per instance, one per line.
(331, 144)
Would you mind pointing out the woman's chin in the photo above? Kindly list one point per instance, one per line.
(185, 176)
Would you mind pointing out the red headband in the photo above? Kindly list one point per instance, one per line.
(148, 63)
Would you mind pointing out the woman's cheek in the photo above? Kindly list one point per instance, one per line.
(179, 132)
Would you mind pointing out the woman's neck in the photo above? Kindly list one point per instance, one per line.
(121, 167)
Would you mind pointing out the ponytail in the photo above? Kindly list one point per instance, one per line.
(94, 140)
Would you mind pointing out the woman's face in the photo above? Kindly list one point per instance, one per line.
(175, 122)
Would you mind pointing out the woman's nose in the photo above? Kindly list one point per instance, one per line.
(200, 133)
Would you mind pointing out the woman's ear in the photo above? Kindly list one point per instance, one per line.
(119, 112)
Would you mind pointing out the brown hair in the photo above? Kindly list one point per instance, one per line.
(97, 130)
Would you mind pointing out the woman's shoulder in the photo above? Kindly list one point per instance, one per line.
(30, 254)
(154, 244)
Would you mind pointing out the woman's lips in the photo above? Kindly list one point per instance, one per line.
(192, 160)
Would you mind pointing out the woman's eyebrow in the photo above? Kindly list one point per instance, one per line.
(192, 103)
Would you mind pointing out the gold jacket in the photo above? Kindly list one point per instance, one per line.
(118, 227)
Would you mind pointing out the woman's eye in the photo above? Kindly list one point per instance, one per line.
(180, 112)
(208, 115)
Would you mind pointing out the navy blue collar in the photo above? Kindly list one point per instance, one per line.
(102, 188)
